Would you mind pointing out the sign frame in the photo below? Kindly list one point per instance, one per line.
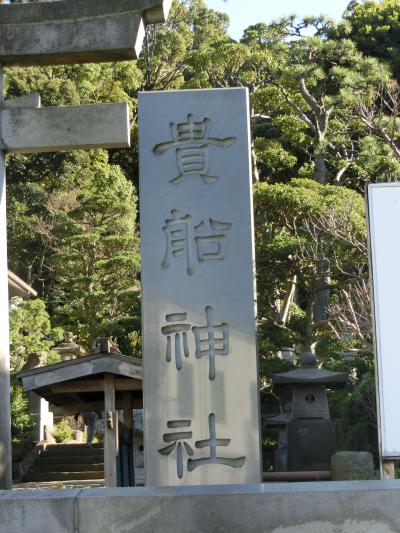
(381, 272)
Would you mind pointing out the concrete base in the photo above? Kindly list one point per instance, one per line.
(320, 507)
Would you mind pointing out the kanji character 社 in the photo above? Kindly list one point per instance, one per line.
(178, 440)
(213, 442)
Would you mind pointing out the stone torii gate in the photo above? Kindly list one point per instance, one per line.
(47, 33)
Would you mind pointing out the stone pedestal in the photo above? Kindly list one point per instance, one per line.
(311, 444)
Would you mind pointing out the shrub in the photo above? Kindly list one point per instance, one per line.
(62, 431)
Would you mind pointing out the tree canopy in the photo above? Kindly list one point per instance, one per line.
(325, 104)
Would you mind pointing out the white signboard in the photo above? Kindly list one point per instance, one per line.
(198, 300)
(384, 239)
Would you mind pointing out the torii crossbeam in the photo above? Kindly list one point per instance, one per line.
(60, 32)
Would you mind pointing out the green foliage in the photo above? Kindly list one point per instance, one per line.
(22, 421)
(297, 225)
(374, 27)
(62, 431)
(94, 230)
(135, 341)
(63, 206)
(357, 429)
(322, 128)
(31, 333)
(178, 53)
(31, 339)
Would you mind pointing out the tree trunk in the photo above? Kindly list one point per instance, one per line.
(320, 168)
(307, 341)
(256, 174)
(322, 291)
(289, 299)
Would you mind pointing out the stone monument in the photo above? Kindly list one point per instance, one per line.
(310, 438)
(68, 349)
(45, 33)
(198, 299)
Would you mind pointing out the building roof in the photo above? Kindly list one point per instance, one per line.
(17, 287)
(78, 384)
(305, 376)
(309, 373)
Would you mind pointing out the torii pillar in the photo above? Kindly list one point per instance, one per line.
(48, 33)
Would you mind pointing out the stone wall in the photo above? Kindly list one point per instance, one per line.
(320, 507)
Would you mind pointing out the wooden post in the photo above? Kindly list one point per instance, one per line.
(5, 417)
(110, 441)
(127, 407)
(127, 403)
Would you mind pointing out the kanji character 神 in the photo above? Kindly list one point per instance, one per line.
(210, 340)
(208, 343)
(176, 330)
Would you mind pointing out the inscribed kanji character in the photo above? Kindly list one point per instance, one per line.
(211, 340)
(213, 442)
(176, 440)
(211, 246)
(179, 241)
(176, 330)
(191, 142)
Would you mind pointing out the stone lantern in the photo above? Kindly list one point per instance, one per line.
(68, 349)
(311, 435)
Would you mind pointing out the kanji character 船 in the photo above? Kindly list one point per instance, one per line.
(179, 241)
(211, 246)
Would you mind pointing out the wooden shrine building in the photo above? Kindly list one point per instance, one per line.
(103, 381)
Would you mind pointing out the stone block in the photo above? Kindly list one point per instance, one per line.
(76, 31)
(321, 507)
(50, 129)
(38, 511)
(352, 465)
(77, 435)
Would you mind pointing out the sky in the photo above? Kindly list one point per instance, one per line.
(243, 13)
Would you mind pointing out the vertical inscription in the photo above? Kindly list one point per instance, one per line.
(201, 406)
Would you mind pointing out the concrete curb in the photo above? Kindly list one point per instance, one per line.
(319, 507)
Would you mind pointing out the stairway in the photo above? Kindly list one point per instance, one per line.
(68, 462)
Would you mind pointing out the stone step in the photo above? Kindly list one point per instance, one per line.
(72, 451)
(74, 446)
(68, 467)
(78, 484)
(63, 476)
(62, 459)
